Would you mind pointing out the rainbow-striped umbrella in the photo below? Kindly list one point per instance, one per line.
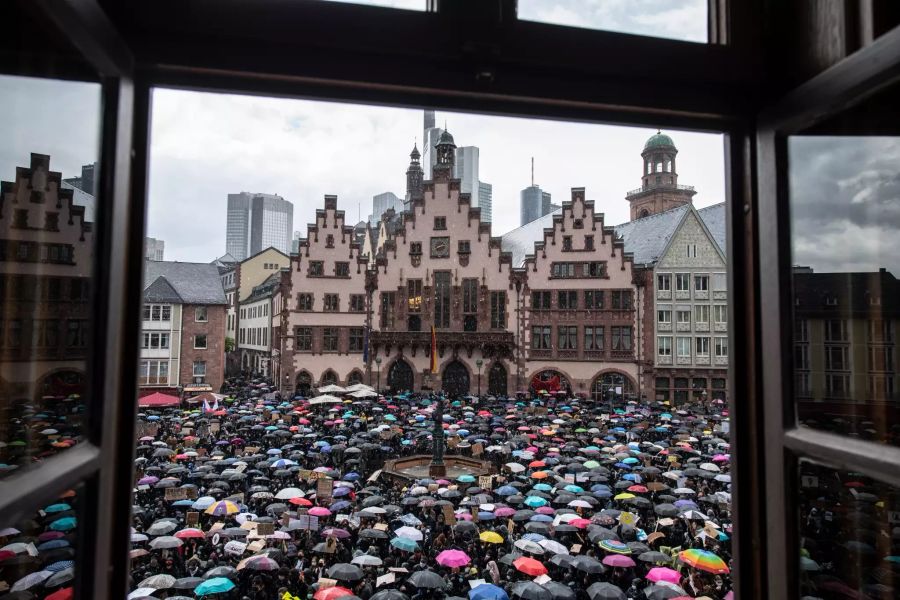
(222, 508)
(703, 560)
(615, 547)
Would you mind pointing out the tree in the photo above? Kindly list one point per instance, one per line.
(229, 344)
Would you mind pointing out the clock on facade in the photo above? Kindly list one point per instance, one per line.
(440, 247)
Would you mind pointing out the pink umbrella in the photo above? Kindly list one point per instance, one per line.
(721, 458)
(319, 511)
(464, 516)
(618, 560)
(579, 523)
(453, 558)
(505, 511)
(544, 510)
(335, 532)
(658, 574)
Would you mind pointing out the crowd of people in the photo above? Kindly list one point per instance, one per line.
(254, 495)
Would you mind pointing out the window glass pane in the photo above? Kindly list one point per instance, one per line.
(685, 20)
(846, 251)
(39, 554)
(49, 175)
(419, 5)
(848, 534)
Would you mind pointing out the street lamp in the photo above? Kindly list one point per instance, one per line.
(378, 363)
(479, 363)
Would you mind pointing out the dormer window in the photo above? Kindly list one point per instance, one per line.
(440, 223)
(329, 241)
(415, 248)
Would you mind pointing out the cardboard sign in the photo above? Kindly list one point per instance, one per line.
(575, 549)
(449, 517)
(809, 481)
(627, 518)
(248, 525)
(474, 583)
(304, 474)
(256, 546)
(569, 477)
(285, 519)
(176, 494)
(401, 570)
(216, 539)
(191, 518)
(485, 481)
(385, 579)
(453, 442)
(380, 527)
(251, 450)
(265, 529)
(325, 582)
(216, 527)
(324, 490)
(214, 427)
(374, 476)
(306, 523)
(477, 449)
(475, 518)
(510, 525)
(330, 545)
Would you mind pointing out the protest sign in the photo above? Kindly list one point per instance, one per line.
(324, 490)
(191, 518)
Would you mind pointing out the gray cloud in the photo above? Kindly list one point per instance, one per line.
(845, 202)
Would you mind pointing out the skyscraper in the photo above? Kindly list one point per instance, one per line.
(429, 153)
(467, 171)
(534, 204)
(256, 222)
(383, 201)
(485, 201)
(154, 249)
(428, 120)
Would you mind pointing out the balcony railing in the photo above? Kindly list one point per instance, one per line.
(661, 186)
(500, 343)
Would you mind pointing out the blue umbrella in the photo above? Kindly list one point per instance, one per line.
(534, 537)
(339, 505)
(506, 490)
(351, 476)
(535, 501)
(411, 520)
(52, 544)
(59, 566)
(487, 516)
(466, 479)
(486, 591)
(543, 487)
(405, 544)
(183, 503)
(55, 508)
(541, 518)
(341, 491)
(64, 524)
(216, 585)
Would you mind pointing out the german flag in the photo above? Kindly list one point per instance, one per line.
(434, 368)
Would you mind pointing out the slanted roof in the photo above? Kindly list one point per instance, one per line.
(520, 241)
(646, 239)
(225, 260)
(714, 219)
(162, 292)
(265, 289)
(191, 283)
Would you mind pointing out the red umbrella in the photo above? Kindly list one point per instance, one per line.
(332, 593)
(529, 566)
(63, 594)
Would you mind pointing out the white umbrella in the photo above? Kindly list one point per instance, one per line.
(236, 548)
(710, 467)
(515, 467)
(553, 547)
(529, 546)
(356, 387)
(579, 504)
(410, 533)
(166, 541)
(324, 399)
(30, 580)
(364, 394)
(367, 560)
(140, 593)
(331, 389)
(160, 581)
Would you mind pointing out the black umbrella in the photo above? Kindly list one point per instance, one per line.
(666, 510)
(559, 591)
(389, 595)
(529, 590)
(562, 560)
(605, 591)
(187, 583)
(345, 572)
(587, 564)
(654, 557)
(228, 572)
(661, 592)
(426, 579)
(507, 559)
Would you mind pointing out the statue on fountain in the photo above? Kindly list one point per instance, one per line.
(437, 468)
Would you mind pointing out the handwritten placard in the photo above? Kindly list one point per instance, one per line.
(192, 518)
(176, 494)
(324, 490)
(477, 449)
(449, 517)
(265, 529)
(385, 579)
(485, 481)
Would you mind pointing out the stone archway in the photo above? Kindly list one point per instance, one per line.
(498, 380)
(455, 379)
(304, 382)
(400, 376)
(550, 380)
(354, 377)
(329, 377)
(610, 380)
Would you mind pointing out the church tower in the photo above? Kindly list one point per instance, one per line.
(414, 176)
(659, 189)
(445, 157)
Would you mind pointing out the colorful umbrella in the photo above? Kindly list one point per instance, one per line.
(223, 508)
(703, 560)
(657, 574)
(453, 558)
(529, 566)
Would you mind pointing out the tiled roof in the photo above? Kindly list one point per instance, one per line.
(265, 289)
(186, 283)
(520, 241)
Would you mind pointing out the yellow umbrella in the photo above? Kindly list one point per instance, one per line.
(491, 537)
(623, 496)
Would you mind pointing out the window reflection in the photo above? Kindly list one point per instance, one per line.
(845, 218)
(849, 534)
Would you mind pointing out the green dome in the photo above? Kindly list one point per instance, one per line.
(658, 140)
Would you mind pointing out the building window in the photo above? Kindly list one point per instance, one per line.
(470, 296)
(540, 300)
(332, 303)
(801, 356)
(567, 243)
(356, 339)
(157, 312)
(357, 303)
(835, 330)
(837, 385)
(701, 283)
(567, 300)
(200, 314)
(567, 337)
(415, 248)
(720, 313)
(683, 317)
(683, 347)
(593, 299)
(563, 270)
(329, 241)
(578, 224)
(200, 369)
(76, 332)
(440, 223)
(664, 348)
(464, 246)
(388, 300)
(702, 346)
(682, 282)
(498, 310)
(836, 358)
(881, 358)
(540, 338)
(304, 302)
(342, 269)
(594, 269)
(593, 338)
(701, 313)
(588, 242)
(621, 300)
(664, 316)
(153, 372)
(316, 268)
(155, 341)
(881, 331)
(721, 347)
(664, 283)
(442, 289)
(692, 250)
(200, 342)
(330, 339)
(304, 338)
(621, 338)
